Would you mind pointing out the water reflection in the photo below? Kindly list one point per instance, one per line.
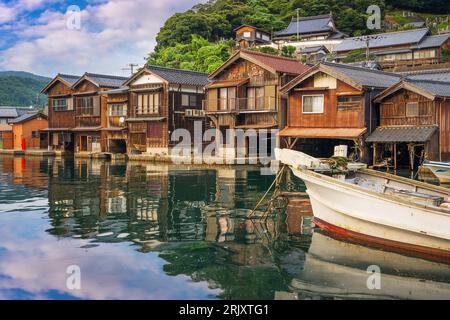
(146, 231)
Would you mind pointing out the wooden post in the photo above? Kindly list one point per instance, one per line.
(374, 154)
(395, 157)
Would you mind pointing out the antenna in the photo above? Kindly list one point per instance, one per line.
(367, 40)
(130, 67)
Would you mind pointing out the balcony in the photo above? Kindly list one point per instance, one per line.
(87, 122)
(236, 105)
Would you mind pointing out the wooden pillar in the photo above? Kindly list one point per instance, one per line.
(395, 156)
(374, 154)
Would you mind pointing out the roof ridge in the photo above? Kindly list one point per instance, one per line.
(319, 16)
(104, 76)
(429, 71)
(175, 69)
(394, 32)
(362, 69)
(427, 81)
(270, 55)
(68, 75)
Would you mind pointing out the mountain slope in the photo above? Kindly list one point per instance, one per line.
(22, 89)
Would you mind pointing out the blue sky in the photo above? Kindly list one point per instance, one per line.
(34, 35)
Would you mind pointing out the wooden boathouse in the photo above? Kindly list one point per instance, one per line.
(332, 104)
(244, 94)
(414, 122)
(162, 100)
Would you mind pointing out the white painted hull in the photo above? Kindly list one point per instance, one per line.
(360, 211)
(441, 171)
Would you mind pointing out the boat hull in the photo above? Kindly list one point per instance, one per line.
(361, 215)
(441, 171)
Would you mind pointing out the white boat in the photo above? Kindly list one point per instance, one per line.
(440, 169)
(300, 159)
(380, 208)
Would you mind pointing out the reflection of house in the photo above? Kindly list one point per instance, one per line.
(244, 94)
(61, 114)
(161, 101)
(249, 36)
(26, 131)
(331, 104)
(398, 49)
(311, 31)
(414, 118)
(90, 110)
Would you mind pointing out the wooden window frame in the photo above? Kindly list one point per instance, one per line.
(408, 115)
(313, 95)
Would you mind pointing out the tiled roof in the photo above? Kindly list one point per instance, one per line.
(279, 64)
(106, 80)
(313, 49)
(27, 116)
(117, 91)
(442, 75)
(12, 112)
(436, 88)
(307, 25)
(366, 77)
(433, 41)
(177, 76)
(412, 37)
(70, 79)
(401, 134)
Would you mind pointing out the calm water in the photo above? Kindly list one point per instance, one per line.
(141, 231)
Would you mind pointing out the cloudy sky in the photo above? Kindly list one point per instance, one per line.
(44, 36)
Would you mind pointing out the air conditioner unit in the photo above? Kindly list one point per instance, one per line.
(189, 113)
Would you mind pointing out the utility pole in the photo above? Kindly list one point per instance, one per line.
(130, 67)
(298, 24)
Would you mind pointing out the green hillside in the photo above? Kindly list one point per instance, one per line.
(22, 89)
(212, 24)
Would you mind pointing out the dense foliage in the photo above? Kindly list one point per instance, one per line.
(22, 89)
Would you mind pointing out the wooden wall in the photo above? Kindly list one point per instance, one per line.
(60, 119)
(444, 127)
(393, 110)
(331, 117)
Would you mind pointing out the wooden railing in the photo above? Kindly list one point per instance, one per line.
(241, 104)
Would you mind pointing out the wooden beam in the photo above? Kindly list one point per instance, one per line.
(395, 156)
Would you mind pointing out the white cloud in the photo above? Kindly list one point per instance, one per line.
(7, 14)
(113, 34)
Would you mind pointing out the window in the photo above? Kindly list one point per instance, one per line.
(148, 103)
(265, 37)
(247, 34)
(85, 106)
(258, 35)
(412, 109)
(118, 110)
(188, 100)
(35, 134)
(349, 103)
(255, 98)
(313, 104)
(61, 105)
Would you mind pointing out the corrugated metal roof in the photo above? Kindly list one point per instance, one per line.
(279, 64)
(107, 81)
(366, 77)
(384, 40)
(401, 134)
(306, 25)
(323, 133)
(183, 77)
(433, 41)
(27, 117)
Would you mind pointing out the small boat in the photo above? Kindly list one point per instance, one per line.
(380, 208)
(440, 169)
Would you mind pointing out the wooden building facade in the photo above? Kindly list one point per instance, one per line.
(244, 94)
(26, 131)
(162, 100)
(331, 105)
(414, 124)
(61, 113)
(90, 105)
(115, 133)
